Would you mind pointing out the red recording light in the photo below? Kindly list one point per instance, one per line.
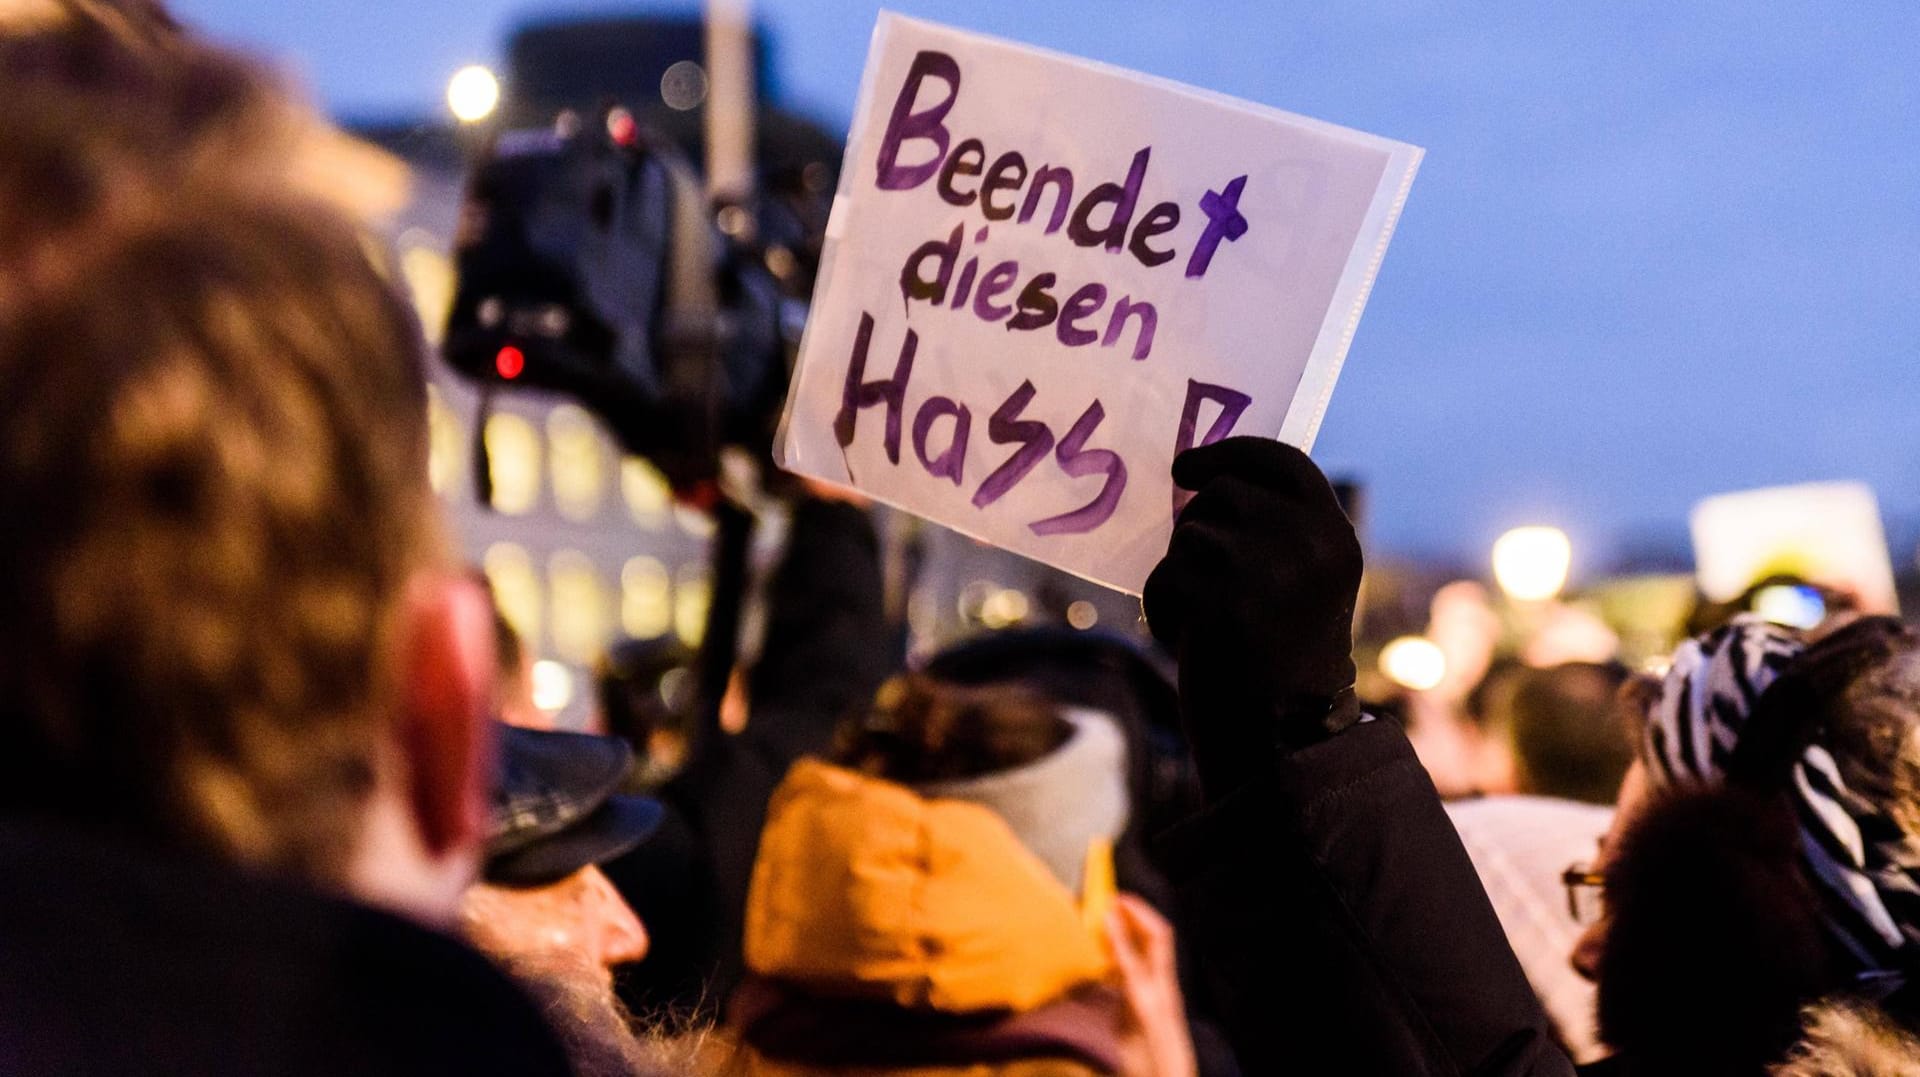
(510, 362)
(622, 127)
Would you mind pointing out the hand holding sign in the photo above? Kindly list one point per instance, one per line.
(1045, 278)
(1255, 599)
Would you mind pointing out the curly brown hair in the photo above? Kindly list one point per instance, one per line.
(212, 469)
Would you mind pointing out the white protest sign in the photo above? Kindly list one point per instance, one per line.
(1044, 277)
(1827, 533)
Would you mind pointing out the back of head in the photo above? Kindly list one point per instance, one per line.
(1715, 941)
(1774, 864)
(212, 463)
(923, 730)
(1099, 671)
(1568, 739)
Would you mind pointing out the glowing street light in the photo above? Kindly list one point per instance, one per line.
(1530, 563)
(1414, 662)
(473, 93)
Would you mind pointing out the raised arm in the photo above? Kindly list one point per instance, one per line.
(1339, 925)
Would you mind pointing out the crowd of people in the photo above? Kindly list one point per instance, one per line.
(267, 805)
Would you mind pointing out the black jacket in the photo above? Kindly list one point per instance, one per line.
(115, 959)
(827, 648)
(1340, 927)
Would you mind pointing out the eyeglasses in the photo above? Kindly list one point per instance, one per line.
(1585, 889)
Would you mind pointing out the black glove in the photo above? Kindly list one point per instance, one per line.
(1255, 599)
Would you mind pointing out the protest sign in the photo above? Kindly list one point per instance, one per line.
(1828, 533)
(1044, 277)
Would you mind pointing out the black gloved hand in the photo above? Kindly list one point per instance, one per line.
(1255, 599)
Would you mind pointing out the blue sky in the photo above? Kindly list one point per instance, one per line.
(1655, 251)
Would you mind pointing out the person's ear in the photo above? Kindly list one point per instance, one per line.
(445, 722)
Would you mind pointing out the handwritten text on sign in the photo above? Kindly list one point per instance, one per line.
(1098, 269)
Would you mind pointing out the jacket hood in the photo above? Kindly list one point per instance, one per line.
(865, 889)
(1851, 1039)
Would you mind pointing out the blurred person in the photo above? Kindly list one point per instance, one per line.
(556, 814)
(243, 709)
(1760, 861)
(1100, 671)
(1561, 749)
(645, 690)
(825, 649)
(190, 107)
(939, 902)
(1769, 832)
(1488, 709)
(543, 908)
(1464, 624)
(1567, 736)
(1129, 682)
(1552, 732)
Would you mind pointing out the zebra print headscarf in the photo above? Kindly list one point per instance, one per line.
(1862, 864)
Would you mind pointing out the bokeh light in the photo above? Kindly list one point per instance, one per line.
(473, 93)
(1414, 662)
(1530, 563)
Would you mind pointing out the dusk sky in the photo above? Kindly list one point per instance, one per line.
(1655, 251)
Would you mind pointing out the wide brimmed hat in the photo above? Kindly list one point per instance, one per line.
(556, 807)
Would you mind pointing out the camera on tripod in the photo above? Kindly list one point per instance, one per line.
(590, 263)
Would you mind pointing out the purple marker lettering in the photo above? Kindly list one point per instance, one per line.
(952, 461)
(1223, 222)
(1038, 308)
(1233, 403)
(1005, 427)
(998, 280)
(967, 158)
(1077, 460)
(1159, 220)
(890, 391)
(906, 125)
(1061, 180)
(914, 283)
(1149, 320)
(1084, 301)
(1009, 171)
(1123, 197)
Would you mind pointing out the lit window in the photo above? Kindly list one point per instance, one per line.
(646, 493)
(516, 587)
(429, 277)
(573, 451)
(646, 598)
(691, 594)
(446, 445)
(580, 622)
(513, 451)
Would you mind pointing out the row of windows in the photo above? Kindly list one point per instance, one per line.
(579, 468)
(571, 605)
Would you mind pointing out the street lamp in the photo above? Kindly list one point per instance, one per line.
(1530, 563)
(473, 93)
